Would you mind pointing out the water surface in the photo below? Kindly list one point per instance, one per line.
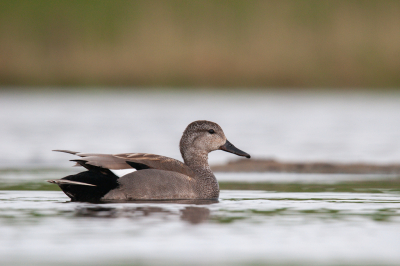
(260, 219)
(243, 227)
(332, 127)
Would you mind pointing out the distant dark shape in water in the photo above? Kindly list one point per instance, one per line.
(156, 177)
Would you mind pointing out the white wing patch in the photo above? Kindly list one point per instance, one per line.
(122, 172)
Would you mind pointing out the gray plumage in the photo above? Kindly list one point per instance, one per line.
(159, 177)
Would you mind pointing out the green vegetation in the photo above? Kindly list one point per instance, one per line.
(379, 186)
(381, 215)
(43, 186)
(309, 43)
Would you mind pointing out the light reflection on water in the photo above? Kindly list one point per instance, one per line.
(243, 227)
(279, 219)
(343, 127)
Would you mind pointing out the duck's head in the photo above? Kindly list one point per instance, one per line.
(202, 137)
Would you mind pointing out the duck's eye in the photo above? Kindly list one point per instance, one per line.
(211, 131)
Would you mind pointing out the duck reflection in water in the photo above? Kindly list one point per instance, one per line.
(191, 214)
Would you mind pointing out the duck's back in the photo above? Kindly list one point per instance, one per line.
(154, 184)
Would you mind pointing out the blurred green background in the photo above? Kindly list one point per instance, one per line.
(216, 43)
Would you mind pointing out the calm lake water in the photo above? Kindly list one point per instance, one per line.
(338, 127)
(244, 227)
(260, 219)
(281, 219)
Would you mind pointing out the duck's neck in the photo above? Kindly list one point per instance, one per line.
(205, 179)
(198, 162)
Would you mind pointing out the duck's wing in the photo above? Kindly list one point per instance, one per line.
(138, 161)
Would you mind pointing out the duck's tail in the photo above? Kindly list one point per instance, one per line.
(89, 186)
(68, 182)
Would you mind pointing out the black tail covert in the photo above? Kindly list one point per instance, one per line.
(103, 179)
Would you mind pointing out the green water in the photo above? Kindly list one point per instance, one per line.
(34, 179)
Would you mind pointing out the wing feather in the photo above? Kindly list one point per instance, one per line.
(130, 160)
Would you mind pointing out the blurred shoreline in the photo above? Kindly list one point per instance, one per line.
(273, 166)
(265, 91)
(209, 43)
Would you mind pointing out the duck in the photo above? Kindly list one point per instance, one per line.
(156, 177)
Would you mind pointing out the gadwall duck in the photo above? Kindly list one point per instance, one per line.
(157, 177)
